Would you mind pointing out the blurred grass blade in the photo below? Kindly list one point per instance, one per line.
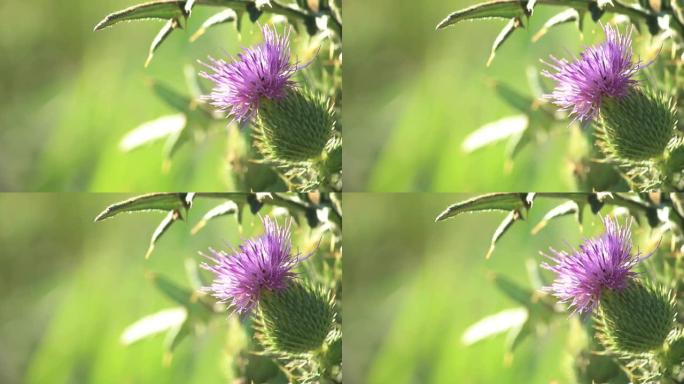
(494, 324)
(517, 334)
(566, 16)
(490, 202)
(505, 33)
(494, 132)
(505, 225)
(165, 224)
(153, 324)
(222, 17)
(152, 131)
(513, 290)
(153, 10)
(567, 208)
(227, 208)
(182, 296)
(151, 202)
(164, 32)
(505, 9)
(189, 4)
(173, 338)
(192, 82)
(514, 98)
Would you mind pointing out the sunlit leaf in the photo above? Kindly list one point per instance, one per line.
(494, 324)
(227, 208)
(153, 10)
(505, 33)
(165, 224)
(152, 131)
(164, 32)
(222, 17)
(566, 16)
(494, 132)
(566, 208)
(506, 9)
(490, 202)
(153, 324)
(505, 225)
(151, 202)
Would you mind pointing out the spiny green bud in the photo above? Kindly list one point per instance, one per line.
(295, 128)
(636, 127)
(637, 319)
(296, 320)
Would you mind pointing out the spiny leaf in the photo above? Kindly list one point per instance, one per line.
(568, 208)
(505, 33)
(164, 32)
(494, 324)
(153, 10)
(505, 225)
(490, 202)
(153, 324)
(227, 208)
(566, 16)
(222, 17)
(152, 131)
(494, 132)
(505, 9)
(165, 224)
(151, 202)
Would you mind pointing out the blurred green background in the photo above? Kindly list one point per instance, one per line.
(70, 287)
(413, 286)
(414, 94)
(70, 95)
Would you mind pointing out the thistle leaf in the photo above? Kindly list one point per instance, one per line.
(505, 9)
(152, 131)
(164, 32)
(222, 17)
(153, 324)
(515, 99)
(493, 325)
(505, 225)
(151, 202)
(566, 16)
(505, 33)
(568, 208)
(165, 224)
(182, 296)
(494, 132)
(490, 202)
(153, 10)
(227, 208)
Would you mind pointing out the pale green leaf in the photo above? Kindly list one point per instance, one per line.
(153, 324)
(495, 324)
(494, 132)
(152, 131)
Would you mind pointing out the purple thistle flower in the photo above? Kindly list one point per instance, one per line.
(261, 72)
(264, 263)
(604, 70)
(600, 263)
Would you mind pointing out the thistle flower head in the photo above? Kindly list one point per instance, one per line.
(260, 264)
(603, 70)
(261, 72)
(599, 264)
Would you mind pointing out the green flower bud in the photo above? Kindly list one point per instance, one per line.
(294, 129)
(636, 127)
(296, 320)
(637, 319)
